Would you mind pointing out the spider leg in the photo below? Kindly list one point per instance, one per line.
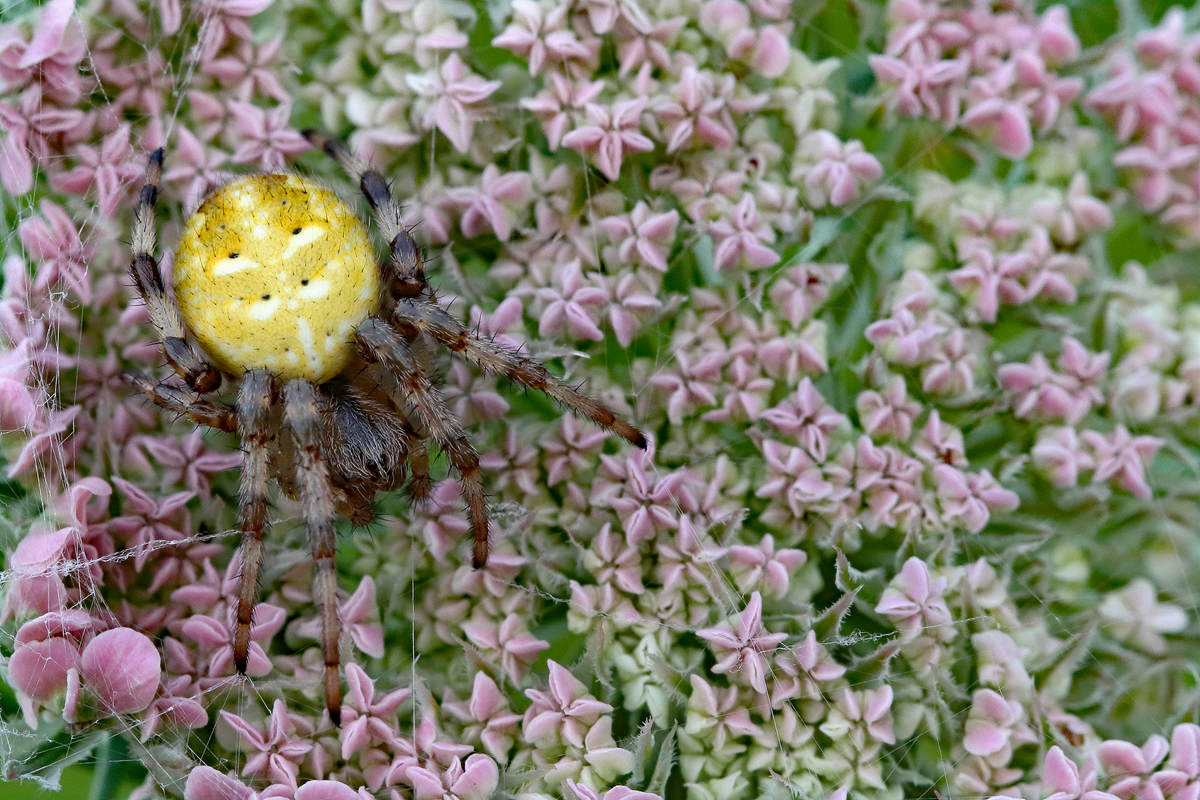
(379, 341)
(408, 279)
(302, 416)
(413, 316)
(420, 485)
(253, 418)
(182, 402)
(185, 357)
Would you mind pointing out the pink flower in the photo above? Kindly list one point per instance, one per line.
(570, 307)
(206, 783)
(45, 652)
(366, 719)
(64, 259)
(179, 703)
(122, 668)
(890, 413)
(1059, 454)
(695, 114)
(563, 713)
(740, 238)
(494, 204)
(808, 418)
(806, 671)
(1155, 162)
(740, 645)
(508, 643)
(692, 383)
(995, 726)
(969, 498)
(645, 498)
(487, 718)
(904, 339)
(612, 133)
(275, 754)
(1061, 777)
(610, 560)
(560, 106)
(862, 716)
(764, 568)
(1123, 456)
(252, 68)
(52, 53)
(643, 237)
(585, 792)
(188, 462)
(1134, 614)
(360, 616)
(646, 44)
(800, 291)
(452, 95)
(793, 478)
(196, 165)
(717, 716)
(267, 139)
(833, 171)
(940, 443)
(914, 602)
(149, 520)
(476, 780)
(45, 443)
(539, 36)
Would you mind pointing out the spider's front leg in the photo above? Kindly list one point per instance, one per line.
(302, 417)
(185, 357)
(408, 279)
(182, 402)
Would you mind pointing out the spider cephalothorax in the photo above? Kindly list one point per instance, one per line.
(279, 297)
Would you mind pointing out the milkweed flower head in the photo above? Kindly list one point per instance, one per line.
(917, 420)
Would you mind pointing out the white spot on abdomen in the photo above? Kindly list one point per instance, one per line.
(260, 231)
(306, 236)
(264, 309)
(228, 266)
(310, 348)
(314, 290)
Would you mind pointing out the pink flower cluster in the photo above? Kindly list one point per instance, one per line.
(989, 68)
(1152, 99)
(857, 380)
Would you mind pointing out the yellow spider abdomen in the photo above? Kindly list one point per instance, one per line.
(275, 272)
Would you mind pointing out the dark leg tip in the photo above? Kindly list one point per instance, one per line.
(335, 716)
(156, 158)
(240, 665)
(314, 137)
(639, 441)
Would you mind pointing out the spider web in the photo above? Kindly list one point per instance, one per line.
(116, 743)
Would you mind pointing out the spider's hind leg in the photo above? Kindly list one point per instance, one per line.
(378, 341)
(301, 415)
(430, 318)
(254, 429)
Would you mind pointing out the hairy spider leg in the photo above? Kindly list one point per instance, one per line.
(185, 357)
(412, 316)
(409, 278)
(253, 418)
(380, 342)
(301, 416)
(182, 402)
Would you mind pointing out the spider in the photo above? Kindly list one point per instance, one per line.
(280, 295)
